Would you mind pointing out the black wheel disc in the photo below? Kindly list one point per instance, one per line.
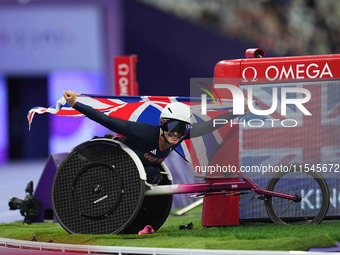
(96, 195)
(97, 189)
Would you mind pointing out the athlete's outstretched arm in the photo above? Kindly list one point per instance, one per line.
(202, 128)
(136, 130)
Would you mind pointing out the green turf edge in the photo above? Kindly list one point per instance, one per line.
(253, 237)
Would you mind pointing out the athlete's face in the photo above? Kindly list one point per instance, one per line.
(173, 137)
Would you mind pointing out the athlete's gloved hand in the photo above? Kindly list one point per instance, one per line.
(71, 97)
(153, 174)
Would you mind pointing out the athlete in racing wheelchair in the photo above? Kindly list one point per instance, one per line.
(152, 143)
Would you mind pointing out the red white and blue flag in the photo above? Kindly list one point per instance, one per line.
(142, 109)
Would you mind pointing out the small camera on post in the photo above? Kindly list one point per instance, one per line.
(29, 206)
(255, 53)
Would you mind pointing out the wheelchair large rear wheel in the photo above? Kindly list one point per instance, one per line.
(97, 189)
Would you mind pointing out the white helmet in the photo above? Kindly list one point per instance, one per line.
(176, 117)
(177, 111)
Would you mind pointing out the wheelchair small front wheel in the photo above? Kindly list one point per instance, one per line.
(311, 190)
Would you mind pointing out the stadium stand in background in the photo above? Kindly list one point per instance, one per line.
(275, 24)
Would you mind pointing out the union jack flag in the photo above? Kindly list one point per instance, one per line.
(142, 109)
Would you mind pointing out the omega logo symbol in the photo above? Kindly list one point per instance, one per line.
(244, 79)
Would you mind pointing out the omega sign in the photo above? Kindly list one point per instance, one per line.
(291, 72)
(123, 81)
(125, 75)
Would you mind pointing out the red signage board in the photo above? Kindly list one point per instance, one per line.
(125, 75)
(289, 69)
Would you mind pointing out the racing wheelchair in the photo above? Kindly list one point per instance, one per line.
(101, 188)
